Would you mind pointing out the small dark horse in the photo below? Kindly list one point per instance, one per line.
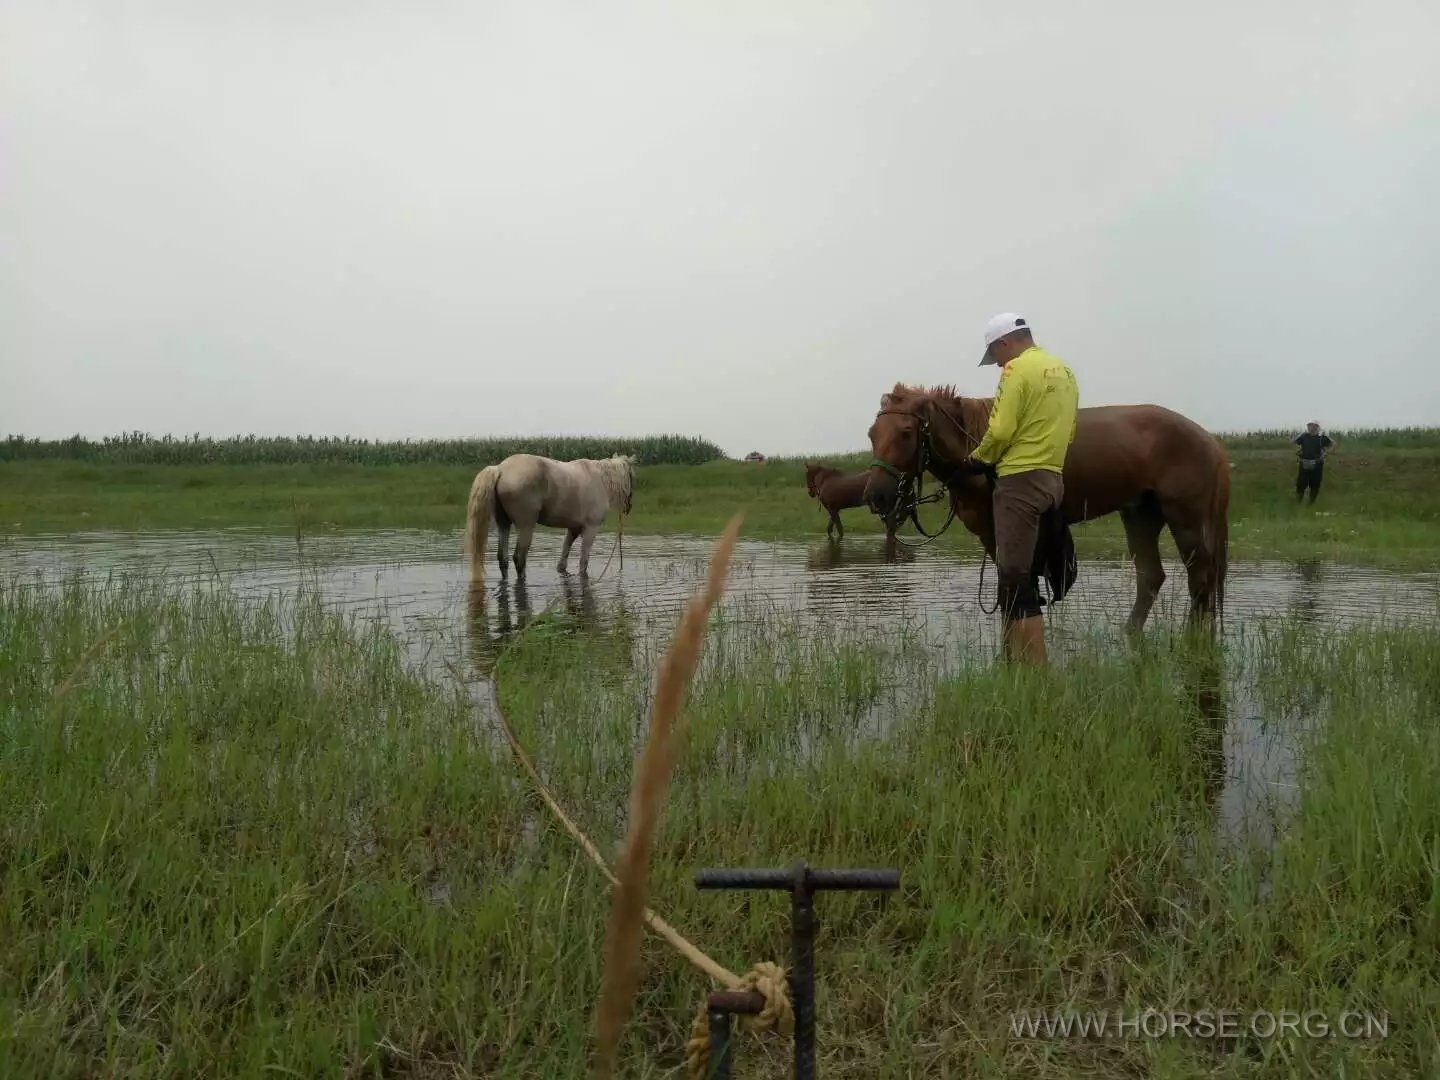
(837, 491)
(1154, 467)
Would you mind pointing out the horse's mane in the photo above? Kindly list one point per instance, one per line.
(971, 409)
(616, 473)
(943, 391)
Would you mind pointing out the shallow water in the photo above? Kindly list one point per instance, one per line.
(416, 582)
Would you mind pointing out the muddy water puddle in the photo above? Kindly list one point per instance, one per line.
(416, 582)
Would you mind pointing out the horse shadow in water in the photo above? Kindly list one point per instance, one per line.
(576, 616)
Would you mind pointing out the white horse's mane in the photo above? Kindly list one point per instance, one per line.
(616, 473)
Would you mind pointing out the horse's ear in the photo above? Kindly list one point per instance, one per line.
(885, 400)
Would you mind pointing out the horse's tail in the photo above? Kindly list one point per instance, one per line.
(1220, 530)
(478, 513)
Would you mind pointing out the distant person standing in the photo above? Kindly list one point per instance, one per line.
(1313, 444)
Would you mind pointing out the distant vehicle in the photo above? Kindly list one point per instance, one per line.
(755, 455)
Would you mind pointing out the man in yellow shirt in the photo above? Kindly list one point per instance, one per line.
(1032, 423)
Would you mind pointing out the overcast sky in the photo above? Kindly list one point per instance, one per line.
(417, 219)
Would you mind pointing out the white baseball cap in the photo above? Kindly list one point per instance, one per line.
(1000, 325)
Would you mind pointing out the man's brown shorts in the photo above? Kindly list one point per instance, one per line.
(1020, 499)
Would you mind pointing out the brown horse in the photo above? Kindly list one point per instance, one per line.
(837, 491)
(1154, 467)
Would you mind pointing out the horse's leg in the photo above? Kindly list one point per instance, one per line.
(1199, 559)
(502, 545)
(523, 535)
(587, 540)
(570, 536)
(1142, 534)
(839, 526)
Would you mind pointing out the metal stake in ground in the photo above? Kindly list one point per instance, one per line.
(803, 883)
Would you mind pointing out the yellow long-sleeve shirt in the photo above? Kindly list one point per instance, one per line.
(1032, 421)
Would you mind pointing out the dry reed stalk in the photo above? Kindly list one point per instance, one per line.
(647, 803)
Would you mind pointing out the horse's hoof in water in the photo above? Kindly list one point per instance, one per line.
(563, 569)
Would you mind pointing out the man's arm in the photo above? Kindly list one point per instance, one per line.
(1004, 415)
(1326, 442)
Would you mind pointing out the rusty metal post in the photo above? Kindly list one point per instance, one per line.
(802, 883)
(719, 1045)
(802, 969)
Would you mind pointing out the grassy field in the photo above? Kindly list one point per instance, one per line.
(244, 840)
(1380, 503)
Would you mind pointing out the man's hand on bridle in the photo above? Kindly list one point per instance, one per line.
(976, 467)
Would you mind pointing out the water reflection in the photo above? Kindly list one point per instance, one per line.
(497, 614)
(422, 570)
(1203, 674)
(1307, 592)
(512, 612)
(864, 580)
(836, 555)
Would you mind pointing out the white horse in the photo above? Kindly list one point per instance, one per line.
(525, 491)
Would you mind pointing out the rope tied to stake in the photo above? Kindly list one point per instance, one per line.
(766, 978)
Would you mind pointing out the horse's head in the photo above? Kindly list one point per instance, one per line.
(917, 430)
(896, 446)
(812, 478)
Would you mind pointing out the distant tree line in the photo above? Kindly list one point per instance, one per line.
(139, 448)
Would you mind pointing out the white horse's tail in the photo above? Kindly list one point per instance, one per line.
(478, 513)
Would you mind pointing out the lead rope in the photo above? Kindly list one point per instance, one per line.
(619, 546)
(980, 588)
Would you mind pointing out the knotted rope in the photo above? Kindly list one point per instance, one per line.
(770, 981)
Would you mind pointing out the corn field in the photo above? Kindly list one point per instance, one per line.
(138, 448)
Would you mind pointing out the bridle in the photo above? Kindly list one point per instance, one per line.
(910, 495)
(912, 484)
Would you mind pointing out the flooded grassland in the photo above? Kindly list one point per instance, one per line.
(256, 815)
